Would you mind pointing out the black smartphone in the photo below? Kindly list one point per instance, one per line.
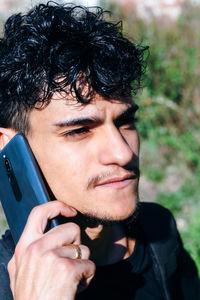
(21, 185)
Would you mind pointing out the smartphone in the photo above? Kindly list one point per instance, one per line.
(21, 185)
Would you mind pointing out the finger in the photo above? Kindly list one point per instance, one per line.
(82, 270)
(70, 251)
(64, 234)
(39, 216)
(12, 272)
(87, 268)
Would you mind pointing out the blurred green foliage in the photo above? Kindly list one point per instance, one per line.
(169, 114)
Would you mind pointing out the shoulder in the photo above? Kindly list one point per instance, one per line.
(149, 210)
(7, 247)
(159, 227)
(154, 213)
(6, 251)
(162, 235)
(167, 250)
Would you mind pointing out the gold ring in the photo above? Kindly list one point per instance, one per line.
(78, 251)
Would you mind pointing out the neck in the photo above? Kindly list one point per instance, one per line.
(107, 244)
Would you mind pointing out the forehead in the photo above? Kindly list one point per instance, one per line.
(61, 108)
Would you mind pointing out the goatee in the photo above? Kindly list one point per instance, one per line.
(87, 220)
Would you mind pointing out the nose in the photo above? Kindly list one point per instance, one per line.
(116, 149)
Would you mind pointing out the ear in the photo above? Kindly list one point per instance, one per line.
(6, 134)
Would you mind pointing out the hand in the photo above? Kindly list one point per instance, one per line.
(44, 265)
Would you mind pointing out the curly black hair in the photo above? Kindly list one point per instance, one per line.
(62, 48)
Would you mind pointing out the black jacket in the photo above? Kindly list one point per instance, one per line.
(169, 258)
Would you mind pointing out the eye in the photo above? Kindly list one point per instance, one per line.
(129, 123)
(78, 132)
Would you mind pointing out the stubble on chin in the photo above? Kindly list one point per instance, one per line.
(91, 220)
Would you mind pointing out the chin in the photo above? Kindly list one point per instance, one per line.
(92, 219)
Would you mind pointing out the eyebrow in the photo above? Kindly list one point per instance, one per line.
(78, 121)
(95, 120)
(127, 114)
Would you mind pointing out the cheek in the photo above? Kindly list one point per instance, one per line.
(133, 141)
(66, 167)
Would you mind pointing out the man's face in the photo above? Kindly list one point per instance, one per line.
(88, 154)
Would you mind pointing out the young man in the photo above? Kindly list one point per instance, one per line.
(66, 80)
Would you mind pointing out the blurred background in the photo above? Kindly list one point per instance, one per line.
(169, 114)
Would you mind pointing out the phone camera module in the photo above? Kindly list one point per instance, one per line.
(8, 165)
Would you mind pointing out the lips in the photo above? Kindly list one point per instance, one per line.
(114, 181)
